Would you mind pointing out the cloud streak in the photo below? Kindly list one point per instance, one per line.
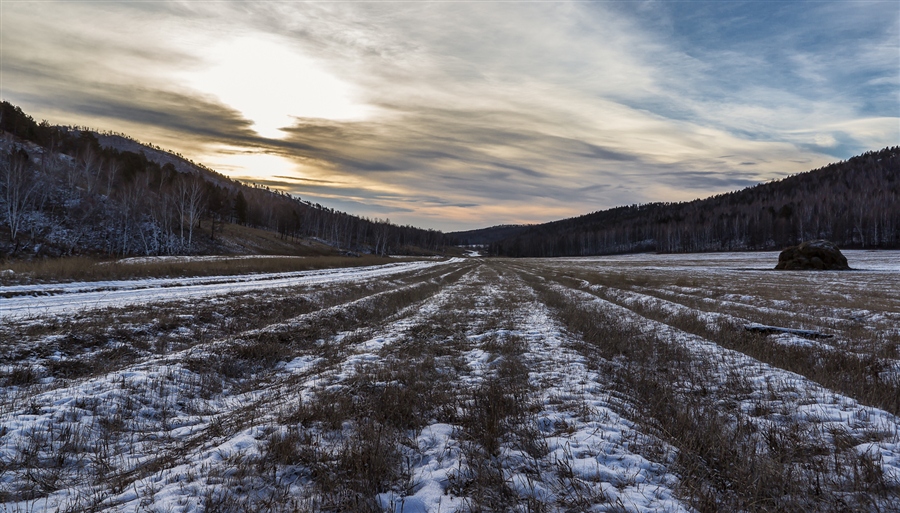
(482, 113)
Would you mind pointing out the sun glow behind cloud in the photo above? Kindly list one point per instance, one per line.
(250, 166)
(290, 175)
(460, 115)
(271, 84)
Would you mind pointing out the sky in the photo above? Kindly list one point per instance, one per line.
(465, 114)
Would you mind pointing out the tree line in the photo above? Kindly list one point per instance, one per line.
(854, 203)
(63, 193)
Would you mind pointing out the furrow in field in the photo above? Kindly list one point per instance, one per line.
(855, 329)
(481, 387)
(834, 294)
(868, 377)
(489, 385)
(596, 457)
(52, 355)
(311, 421)
(153, 416)
(724, 409)
(409, 382)
(535, 426)
(848, 335)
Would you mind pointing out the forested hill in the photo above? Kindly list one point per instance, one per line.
(486, 236)
(855, 204)
(66, 190)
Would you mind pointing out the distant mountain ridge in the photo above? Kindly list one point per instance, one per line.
(855, 203)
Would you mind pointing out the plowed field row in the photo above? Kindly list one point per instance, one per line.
(525, 385)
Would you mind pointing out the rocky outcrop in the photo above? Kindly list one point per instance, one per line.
(819, 255)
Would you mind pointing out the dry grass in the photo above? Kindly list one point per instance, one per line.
(862, 376)
(364, 461)
(724, 461)
(107, 341)
(254, 241)
(789, 298)
(369, 416)
(334, 435)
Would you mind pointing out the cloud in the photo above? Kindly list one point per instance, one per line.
(477, 113)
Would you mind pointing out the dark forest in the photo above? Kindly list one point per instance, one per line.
(855, 203)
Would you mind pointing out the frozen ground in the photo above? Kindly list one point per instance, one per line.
(67, 298)
(599, 384)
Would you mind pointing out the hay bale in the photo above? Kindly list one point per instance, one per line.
(815, 255)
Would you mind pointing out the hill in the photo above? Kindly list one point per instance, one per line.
(485, 236)
(68, 191)
(855, 203)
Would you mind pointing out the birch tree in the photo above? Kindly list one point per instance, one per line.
(18, 185)
(190, 204)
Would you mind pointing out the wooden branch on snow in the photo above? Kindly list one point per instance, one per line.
(762, 328)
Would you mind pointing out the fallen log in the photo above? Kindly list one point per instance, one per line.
(762, 328)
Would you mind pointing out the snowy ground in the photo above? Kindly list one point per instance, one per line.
(67, 298)
(597, 384)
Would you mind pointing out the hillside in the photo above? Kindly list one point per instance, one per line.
(855, 203)
(68, 191)
(123, 143)
(484, 236)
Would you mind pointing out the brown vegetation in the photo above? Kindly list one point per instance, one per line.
(317, 398)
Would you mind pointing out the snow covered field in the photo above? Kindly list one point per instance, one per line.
(598, 384)
(68, 298)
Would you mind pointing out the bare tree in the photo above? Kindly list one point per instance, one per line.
(89, 165)
(18, 185)
(190, 204)
(112, 169)
(130, 199)
(162, 212)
